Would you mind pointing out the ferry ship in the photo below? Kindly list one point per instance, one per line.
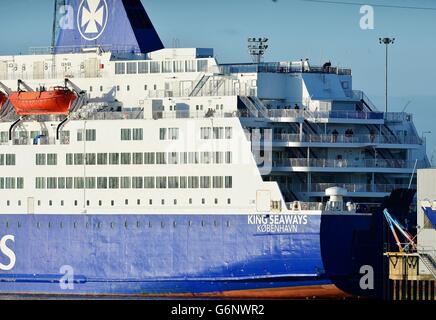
(128, 168)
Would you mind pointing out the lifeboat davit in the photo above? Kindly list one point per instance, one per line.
(54, 101)
(3, 99)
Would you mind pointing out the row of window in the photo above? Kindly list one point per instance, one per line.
(169, 133)
(11, 183)
(136, 134)
(43, 159)
(191, 182)
(144, 67)
(139, 158)
(216, 133)
(7, 159)
(86, 135)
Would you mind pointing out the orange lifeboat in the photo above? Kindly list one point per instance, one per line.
(54, 101)
(3, 99)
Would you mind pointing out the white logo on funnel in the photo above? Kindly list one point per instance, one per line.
(92, 18)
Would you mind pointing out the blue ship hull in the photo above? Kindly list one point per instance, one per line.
(178, 255)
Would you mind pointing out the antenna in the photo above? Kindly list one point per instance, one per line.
(257, 48)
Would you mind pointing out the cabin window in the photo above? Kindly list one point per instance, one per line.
(114, 158)
(137, 158)
(131, 68)
(201, 65)
(114, 183)
(138, 134)
(52, 183)
(149, 158)
(126, 158)
(120, 68)
(191, 66)
(154, 67)
(173, 182)
(102, 183)
(137, 182)
(218, 182)
(102, 158)
(90, 182)
(179, 66)
(143, 67)
(229, 182)
(149, 182)
(40, 159)
(205, 182)
(161, 158)
(52, 159)
(161, 182)
(125, 183)
(10, 159)
(167, 66)
(40, 183)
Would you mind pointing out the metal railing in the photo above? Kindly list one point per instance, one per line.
(342, 138)
(351, 187)
(278, 67)
(353, 115)
(344, 163)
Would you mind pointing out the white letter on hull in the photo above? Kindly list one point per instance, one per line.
(8, 253)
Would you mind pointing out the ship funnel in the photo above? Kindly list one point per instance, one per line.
(115, 25)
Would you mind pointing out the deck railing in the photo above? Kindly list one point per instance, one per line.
(344, 163)
(342, 138)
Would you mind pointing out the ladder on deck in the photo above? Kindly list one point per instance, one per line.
(429, 262)
(199, 86)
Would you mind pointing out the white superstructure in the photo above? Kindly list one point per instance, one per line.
(173, 130)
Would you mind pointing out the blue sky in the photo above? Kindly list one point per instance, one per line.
(296, 28)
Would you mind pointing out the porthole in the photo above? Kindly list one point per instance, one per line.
(150, 202)
(8, 203)
(162, 224)
(203, 201)
(162, 202)
(228, 223)
(112, 203)
(49, 225)
(38, 225)
(75, 225)
(19, 224)
(126, 202)
(61, 225)
(19, 203)
(216, 201)
(87, 225)
(174, 224)
(88, 203)
(50, 203)
(62, 203)
(138, 202)
(138, 224)
(149, 224)
(215, 223)
(202, 223)
(190, 223)
(112, 225)
(175, 202)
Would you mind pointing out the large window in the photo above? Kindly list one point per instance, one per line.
(154, 67)
(120, 68)
(131, 67)
(88, 134)
(149, 158)
(149, 182)
(167, 66)
(52, 159)
(142, 67)
(202, 65)
(138, 134)
(40, 159)
(102, 158)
